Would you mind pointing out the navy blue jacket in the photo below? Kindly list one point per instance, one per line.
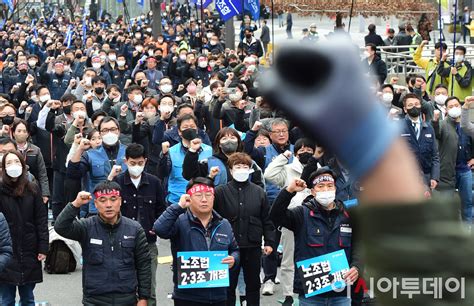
(144, 204)
(317, 232)
(425, 148)
(187, 233)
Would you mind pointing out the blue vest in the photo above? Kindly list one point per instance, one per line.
(272, 189)
(109, 264)
(221, 177)
(101, 167)
(176, 182)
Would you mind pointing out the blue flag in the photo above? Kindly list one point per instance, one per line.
(10, 4)
(204, 3)
(141, 2)
(84, 31)
(253, 6)
(119, 1)
(228, 8)
(69, 36)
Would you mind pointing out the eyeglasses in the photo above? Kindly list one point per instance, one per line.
(282, 132)
(113, 130)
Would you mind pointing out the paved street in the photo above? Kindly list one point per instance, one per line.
(67, 289)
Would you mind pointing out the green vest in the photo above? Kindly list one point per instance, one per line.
(431, 73)
(458, 91)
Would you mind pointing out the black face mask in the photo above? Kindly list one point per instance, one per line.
(67, 109)
(99, 90)
(8, 120)
(78, 56)
(159, 57)
(233, 65)
(229, 147)
(248, 36)
(304, 157)
(414, 112)
(189, 134)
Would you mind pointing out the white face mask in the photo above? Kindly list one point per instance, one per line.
(166, 109)
(241, 175)
(116, 100)
(325, 197)
(121, 63)
(112, 57)
(212, 64)
(135, 170)
(166, 88)
(137, 99)
(14, 171)
(440, 99)
(45, 98)
(79, 113)
(96, 66)
(454, 112)
(203, 64)
(88, 81)
(32, 63)
(182, 57)
(387, 98)
(110, 138)
(235, 97)
(458, 58)
(151, 53)
(366, 54)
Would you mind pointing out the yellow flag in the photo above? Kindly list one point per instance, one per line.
(444, 3)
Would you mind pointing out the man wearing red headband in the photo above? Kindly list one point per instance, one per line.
(115, 250)
(193, 225)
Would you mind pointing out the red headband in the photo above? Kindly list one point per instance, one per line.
(107, 193)
(200, 188)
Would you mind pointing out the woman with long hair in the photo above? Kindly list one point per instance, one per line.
(226, 143)
(27, 217)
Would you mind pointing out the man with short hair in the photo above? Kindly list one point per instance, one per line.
(373, 37)
(250, 45)
(57, 80)
(193, 225)
(170, 165)
(246, 205)
(374, 64)
(455, 152)
(320, 226)
(96, 164)
(430, 65)
(420, 137)
(459, 75)
(116, 267)
(439, 99)
(143, 201)
(263, 156)
(265, 36)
